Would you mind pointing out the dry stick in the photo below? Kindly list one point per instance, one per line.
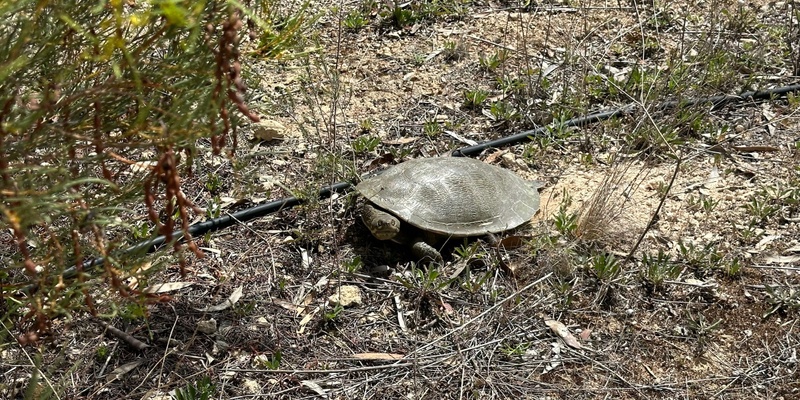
(321, 371)
(125, 336)
(655, 214)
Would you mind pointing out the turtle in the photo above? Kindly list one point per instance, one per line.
(422, 202)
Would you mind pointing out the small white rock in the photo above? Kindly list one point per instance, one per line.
(251, 386)
(268, 130)
(346, 295)
(207, 327)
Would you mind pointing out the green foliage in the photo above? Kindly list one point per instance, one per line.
(425, 280)
(454, 50)
(606, 267)
(760, 207)
(354, 265)
(331, 314)
(492, 62)
(660, 267)
(366, 144)
(88, 90)
(782, 299)
(702, 328)
(468, 251)
(504, 111)
(200, 390)
(400, 16)
(273, 362)
(355, 20)
(432, 128)
(475, 98)
(516, 350)
(566, 222)
(213, 183)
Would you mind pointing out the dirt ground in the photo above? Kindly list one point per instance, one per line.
(309, 305)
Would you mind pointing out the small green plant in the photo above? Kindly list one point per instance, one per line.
(709, 204)
(332, 314)
(213, 183)
(354, 265)
(474, 283)
(140, 230)
(566, 222)
(492, 62)
(653, 140)
(432, 128)
(365, 125)
(244, 308)
(454, 51)
(273, 362)
(660, 267)
(606, 267)
(508, 84)
(400, 16)
(734, 268)
(365, 144)
(475, 98)
(424, 280)
(760, 207)
(782, 299)
(214, 208)
(558, 130)
(564, 291)
(747, 232)
(102, 353)
(201, 390)
(469, 251)
(355, 20)
(517, 350)
(702, 258)
(701, 328)
(504, 111)
(400, 153)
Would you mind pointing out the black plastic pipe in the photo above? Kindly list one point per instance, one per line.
(289, 202)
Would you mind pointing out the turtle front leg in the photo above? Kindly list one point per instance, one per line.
(424, 251)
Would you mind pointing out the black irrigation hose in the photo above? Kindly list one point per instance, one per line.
(715, 102)
(289, 202)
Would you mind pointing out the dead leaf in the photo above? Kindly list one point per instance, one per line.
(122, 370)
(286, 305)
(142, 166)
(492, 158)
(306, 320)
(584, 335)
(402, 140)
(460, 138)
(776, 259)
(315, 387)
(563, 332)
(512, 242)
(378, 356)
(762, 244)
(793, 249)
(167, 287)
(230, 301)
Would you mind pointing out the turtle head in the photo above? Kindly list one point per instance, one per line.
(383, 225)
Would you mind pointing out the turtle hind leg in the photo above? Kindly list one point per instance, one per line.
(424, 251)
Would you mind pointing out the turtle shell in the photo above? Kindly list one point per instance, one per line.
(453, 196)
